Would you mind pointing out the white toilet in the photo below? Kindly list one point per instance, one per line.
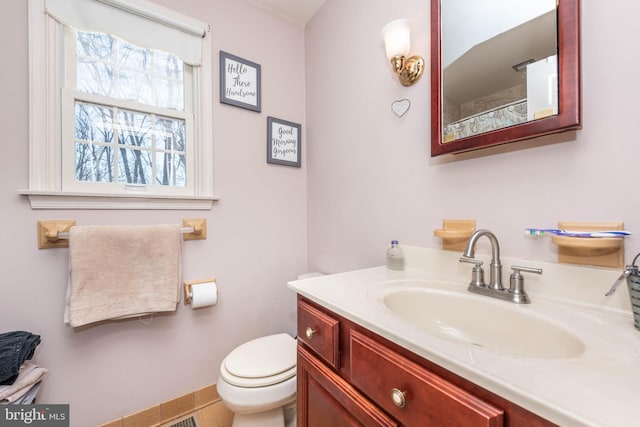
(257, 382)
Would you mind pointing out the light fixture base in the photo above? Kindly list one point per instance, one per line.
(411, 71)
(397, 63)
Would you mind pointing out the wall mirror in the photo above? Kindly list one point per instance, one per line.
(503, 71)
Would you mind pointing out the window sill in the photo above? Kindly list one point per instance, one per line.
(63, 200)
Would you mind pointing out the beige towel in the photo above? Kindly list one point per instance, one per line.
(28, 376)
(122, 271)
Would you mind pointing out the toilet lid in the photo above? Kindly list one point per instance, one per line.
(261, 362)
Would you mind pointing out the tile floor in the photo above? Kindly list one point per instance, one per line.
(214, 415)
(204, 404)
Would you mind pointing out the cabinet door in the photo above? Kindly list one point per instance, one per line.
(326, 400)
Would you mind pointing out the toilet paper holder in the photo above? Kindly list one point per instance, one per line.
(187, 288)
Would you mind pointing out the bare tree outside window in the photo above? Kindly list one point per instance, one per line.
(122, 145)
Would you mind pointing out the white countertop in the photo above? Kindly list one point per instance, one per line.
(600, 387)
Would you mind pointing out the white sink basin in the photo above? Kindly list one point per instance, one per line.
(479, 320)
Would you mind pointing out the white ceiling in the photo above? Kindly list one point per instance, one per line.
(299, 11)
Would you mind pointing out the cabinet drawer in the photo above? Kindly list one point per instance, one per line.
(410, 393)
(320, 332)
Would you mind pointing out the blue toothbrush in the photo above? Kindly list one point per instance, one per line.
(541, 232)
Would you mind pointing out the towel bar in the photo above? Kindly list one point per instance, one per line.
(63, 235)
(55, 234)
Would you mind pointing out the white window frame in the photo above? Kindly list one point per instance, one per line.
(46, 42)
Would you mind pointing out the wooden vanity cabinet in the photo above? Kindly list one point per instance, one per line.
(349, 376)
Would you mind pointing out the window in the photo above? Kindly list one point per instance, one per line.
(124, 107)
(131, 123)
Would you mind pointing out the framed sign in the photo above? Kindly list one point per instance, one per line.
(283, 142)
(239, 82)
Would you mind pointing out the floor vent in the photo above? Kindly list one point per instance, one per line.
(187, 422)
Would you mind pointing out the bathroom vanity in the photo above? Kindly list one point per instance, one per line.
(372, 351)
(347, 373)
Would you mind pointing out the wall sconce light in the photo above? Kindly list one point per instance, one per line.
(397, 40)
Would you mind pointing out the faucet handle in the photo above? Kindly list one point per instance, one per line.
(516, 283)
(477, 277)
(468, 260)
(517, 269)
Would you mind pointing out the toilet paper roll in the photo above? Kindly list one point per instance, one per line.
(204, 294)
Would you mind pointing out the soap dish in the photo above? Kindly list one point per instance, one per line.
(599, 251)
(455, 233)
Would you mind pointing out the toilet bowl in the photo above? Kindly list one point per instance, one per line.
(257, 382)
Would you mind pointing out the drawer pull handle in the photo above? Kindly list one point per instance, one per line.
(398, 398)
(310, 332)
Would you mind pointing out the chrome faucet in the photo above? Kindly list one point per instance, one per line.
(494, 288)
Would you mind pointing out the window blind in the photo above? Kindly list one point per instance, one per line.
(139, 22)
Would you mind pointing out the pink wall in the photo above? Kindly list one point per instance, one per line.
(256, 235)
(371, 177)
